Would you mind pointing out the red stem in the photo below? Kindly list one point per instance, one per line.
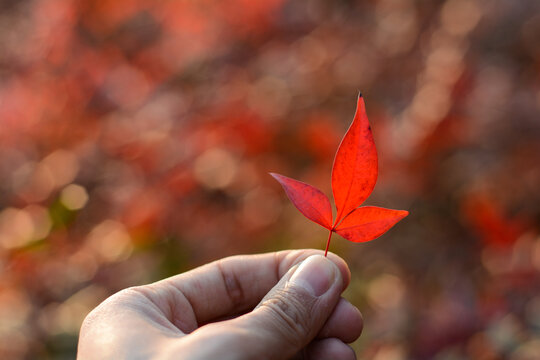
(328, 243)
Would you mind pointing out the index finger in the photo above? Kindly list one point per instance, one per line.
(230, 286)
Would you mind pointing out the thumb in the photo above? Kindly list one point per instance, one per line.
(294, 311)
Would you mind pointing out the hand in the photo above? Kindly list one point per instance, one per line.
(272, 306)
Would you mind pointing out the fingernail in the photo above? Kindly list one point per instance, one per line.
(316, 274)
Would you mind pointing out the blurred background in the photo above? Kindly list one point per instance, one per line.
(136, 138)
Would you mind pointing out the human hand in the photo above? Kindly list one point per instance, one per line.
(272, 306)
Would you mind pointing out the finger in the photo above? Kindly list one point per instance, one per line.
(291, 314)
(345, 323)
(329, 349)
(229, 286)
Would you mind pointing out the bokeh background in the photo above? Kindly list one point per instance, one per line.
(136, 137)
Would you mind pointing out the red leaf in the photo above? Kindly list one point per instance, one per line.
(369, 222)
(308, 199)
(355, 166)
(353, 178)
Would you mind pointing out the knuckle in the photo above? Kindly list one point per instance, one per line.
(128, 298)
(125, 297)
(291, 313)
(233, 286)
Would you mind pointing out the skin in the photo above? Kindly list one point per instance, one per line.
(283, 305)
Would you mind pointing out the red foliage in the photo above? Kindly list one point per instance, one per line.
(353, 178)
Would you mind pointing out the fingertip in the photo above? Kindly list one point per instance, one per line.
(316, 274)
(345, 323)
(289, 258)
(343, 268)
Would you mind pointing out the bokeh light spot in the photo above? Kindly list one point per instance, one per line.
(386, 291)
(110, 240)
(215, 168)
(74, 197)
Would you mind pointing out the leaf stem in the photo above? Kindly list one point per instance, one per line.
(328, 242)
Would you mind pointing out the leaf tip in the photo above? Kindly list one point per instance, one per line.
(279, 178)
(401, 214)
